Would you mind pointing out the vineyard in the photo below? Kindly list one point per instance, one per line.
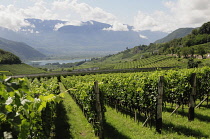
(138, 93)
(154, 61)
(18, 69)
(30, 107)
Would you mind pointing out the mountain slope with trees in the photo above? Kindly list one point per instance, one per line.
(197, 42)
(20, 49)
(8, 58)
(179, 33)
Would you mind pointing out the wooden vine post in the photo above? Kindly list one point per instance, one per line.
(99, 110)
(191, 113)
(159, 105)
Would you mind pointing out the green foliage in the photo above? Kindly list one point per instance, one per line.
(205, 28)
(144, 62)
(8, 58)
(138, 91)
(192, 64)
(26, 110)
(197, 37)
(83, 93)
(201, 51)
(19, 69)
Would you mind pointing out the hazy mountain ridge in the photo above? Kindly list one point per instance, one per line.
(179, 33)
(20, 49)
(89, 37)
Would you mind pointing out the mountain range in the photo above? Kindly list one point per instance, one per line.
(20, 49)
(88, 39)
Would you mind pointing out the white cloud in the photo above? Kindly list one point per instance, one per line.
(87, 12)
(11, 18)
(117, 26)
(182, 13)
(143, 37)
(39, 10)
(74, 23)
(68, 10)
(157, 21)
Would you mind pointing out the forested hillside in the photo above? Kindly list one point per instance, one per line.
(179, 33)
(8, 58)
(20, 49)
(195, 43)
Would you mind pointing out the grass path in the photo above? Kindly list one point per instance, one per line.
(174, 127)
(79, 126)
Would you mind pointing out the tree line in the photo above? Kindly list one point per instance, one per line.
(8, 58)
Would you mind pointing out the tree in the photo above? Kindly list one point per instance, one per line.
(201, 51)
(193, 64)
(195, 32)
(185, 52)
(205, 28)
(172, 50)
(192, 51)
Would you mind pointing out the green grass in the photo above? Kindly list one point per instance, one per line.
(175, 126)
(18, 69)
(79, 126)
(6, 73)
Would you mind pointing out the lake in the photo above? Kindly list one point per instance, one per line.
(43, 62)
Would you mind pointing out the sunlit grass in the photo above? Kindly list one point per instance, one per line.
(175, 126)
(79, 126)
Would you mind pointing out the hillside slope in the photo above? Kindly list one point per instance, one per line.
(179, 33)
(20, 49)
(8, 58)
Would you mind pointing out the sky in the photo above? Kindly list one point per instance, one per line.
(154, 15)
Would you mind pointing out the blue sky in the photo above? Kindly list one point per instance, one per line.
(154, 15)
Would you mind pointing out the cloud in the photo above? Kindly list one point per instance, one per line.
(39, 10)
(11, 18)
(182, 13)
(117, 26)
(143, 37)
(86, 12)
(74, 23)
(157, 21)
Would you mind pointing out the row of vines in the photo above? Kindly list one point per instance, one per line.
(27, 107)
(137, 92)
(142, 62)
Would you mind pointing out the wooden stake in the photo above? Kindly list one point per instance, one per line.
(146, 121)
(159, 105)
(191, 113)
(135, 117)
(201, 102)
(175, 109)
(99, 110)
